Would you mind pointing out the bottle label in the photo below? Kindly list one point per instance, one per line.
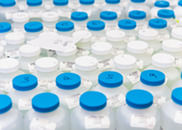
(31, 68)
(178, 117)
(82, 52)
(116, 100)
(73, 101)
(142, 121)
(140, 64)
(105, 64)
(24, 104)
(97, 122)
(66, 66)
(12, 54)
(134, 77)
(46, 84)
(159, 101)
(42, 124)
(86, 84)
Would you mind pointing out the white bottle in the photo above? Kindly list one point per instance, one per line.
(25, 87)
(92, 115)
(139, 112)
(65, 28)
(5, 29)
(153, 81)
(176, 33)
(126, 65)
(165, 63)
(177, 10)
(111, 85)
(28, 55)
(171, 111)
(46, 114)
(10, 118)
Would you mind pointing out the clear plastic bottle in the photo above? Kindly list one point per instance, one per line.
(171, 111)
(5, 29)
(46, 114)
(10, 118)
(139, 113)
(176, 33)
(153, 81)
(111, 85)
(177, 10)
(65, 28)
(92, 115)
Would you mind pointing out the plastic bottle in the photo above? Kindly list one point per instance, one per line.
(92, 115)
(5, 28)
(178, 83)
(65, 28)
(46, 114)
(177, 10)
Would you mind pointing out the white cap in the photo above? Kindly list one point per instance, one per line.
(87, 35)
(29, 50)
(115, 35)
(50, 16)
(148, 34)
(1, 50)
(137, 47)
(172, 45)
(162, 60)
(68, 51)
(176, 33)
(86, 63)
(124, 61)
(20, 17)
(101, 48)
(46, 64)
(15, 38)
(8, 65)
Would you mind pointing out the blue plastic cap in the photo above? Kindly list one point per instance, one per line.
(68, 81)
(137, 1)
(34, 2)
(162, 4)
(166, 13)
(45, 102)
(93, 101)
(86, 2)
(139, 99)
(110, 79)
(5, 103)
(96, 25)
(112, 1)
(108, 15)
(65, 26)
(25, 82)
(157, 23)
(33, 27)
(79, 16)
(177, 95)
(137, 15)
(5, 27)
(181, 75)
(7, 3)
(180, 3)
(152, 77)
(60, 2)
(127, 24)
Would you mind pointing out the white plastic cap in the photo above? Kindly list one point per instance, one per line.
(87, 34)
(68, 51)
(15, 38)
(20, 17)
(148, 34)
(172, 45)
(46, 64)
(137, 47)
(50, 16)
(29, 50)
(101, 48)
(162, 60)
(8, 65)
(86, 63)
(125, 61)
(1, 50)
(115, 35)
(176, 33)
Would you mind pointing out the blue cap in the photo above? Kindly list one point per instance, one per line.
(60, 2)
(93, 101)
(68, 81)
(181, 75)
(25, 82)
(79, 16)
(110, 79)
(45, 102)
(96, 25)
(112, 1)
(7, 3)
(137, 1)
(157, 23)
(108, 15)
(139, 99)
(86, 2)
(180, 3)
(34, 2)
(127, 24)
(152, 77)
(166, 13)
(162, 4)
(177, 95)
(5, 103)
(65, 26)
(137, 14)
(5, 27)
(33, 27)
